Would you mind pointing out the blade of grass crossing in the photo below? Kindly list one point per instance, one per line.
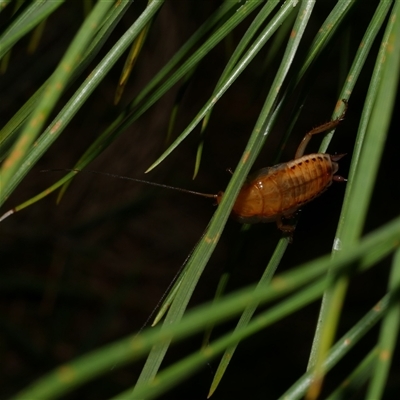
(130, 62)
(357, 379)
(248, 312)
(387, 73)
(52, 93)
(35, 13)
(4, 4)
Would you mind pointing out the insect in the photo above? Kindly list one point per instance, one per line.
(276, 193)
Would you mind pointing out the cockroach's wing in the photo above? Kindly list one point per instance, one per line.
(263, 172)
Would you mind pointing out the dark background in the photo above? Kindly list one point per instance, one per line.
(93, 268)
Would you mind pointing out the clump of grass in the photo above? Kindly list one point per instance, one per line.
(294, 52)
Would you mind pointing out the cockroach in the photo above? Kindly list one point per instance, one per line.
(277, 192)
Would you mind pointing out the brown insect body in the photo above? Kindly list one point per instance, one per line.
(275, 192)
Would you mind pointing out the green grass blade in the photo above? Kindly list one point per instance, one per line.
(183, 369)
(248, 312)
(174, 289)
(352, 77)
(388, 337)
(4, 4)
(35, 13)
(357, 379)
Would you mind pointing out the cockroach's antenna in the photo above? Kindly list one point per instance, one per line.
(127, 178)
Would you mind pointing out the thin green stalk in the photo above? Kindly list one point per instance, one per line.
(357, 379)
(32, 16)
(248, 312)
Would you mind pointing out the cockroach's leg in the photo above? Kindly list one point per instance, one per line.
(287, 228)
(319, 129)
(337, 157)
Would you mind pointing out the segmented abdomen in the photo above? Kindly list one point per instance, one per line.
(304, 179)
(283, 188)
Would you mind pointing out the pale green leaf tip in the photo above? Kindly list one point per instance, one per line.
(150, 168)
(7, 214)
(196, 171)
